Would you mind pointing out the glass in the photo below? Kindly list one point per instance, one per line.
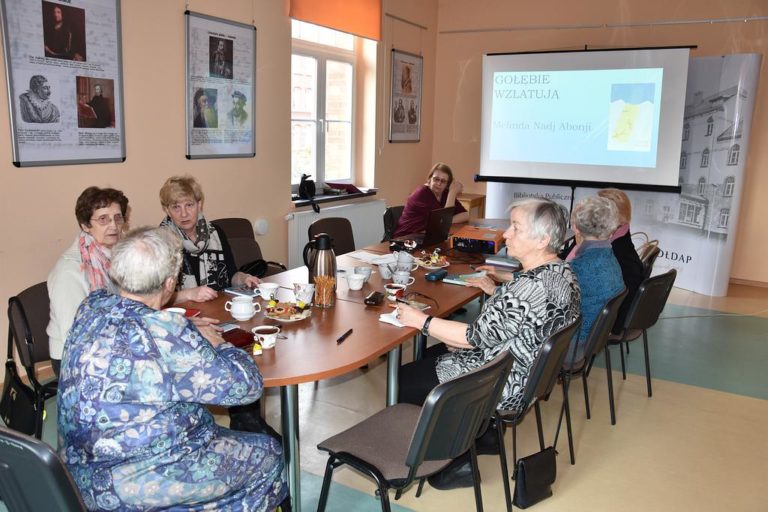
(338, 114)
(322, 35)
(338, 150)
(103, 220)
(303, 87)
(303, 149)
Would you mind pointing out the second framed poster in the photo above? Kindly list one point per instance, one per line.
(220, 88)
(405, 104)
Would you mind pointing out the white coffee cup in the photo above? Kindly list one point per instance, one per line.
(266, 335)
(180, 311)
(404, 278)
(394, 291)
(406, 267)
(385, 269)
(304, 292)
(268, 290)
(355, 281)
(242, 308)
(364, 271)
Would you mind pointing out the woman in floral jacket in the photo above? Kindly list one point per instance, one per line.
(134, 429)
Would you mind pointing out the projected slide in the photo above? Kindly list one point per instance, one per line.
(592, 117)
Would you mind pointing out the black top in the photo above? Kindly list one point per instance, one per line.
(631, 271)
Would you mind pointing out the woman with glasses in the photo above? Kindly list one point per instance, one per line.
(101, 214)
(439, 190)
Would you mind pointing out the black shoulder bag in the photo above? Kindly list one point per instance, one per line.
(17, 405)
(535, 475)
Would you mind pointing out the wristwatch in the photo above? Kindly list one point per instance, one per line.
(425, 327)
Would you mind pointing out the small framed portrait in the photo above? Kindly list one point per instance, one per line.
(405, 98)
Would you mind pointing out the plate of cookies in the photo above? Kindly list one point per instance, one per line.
(287, 311)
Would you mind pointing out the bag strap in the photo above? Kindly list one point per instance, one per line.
(27, 331)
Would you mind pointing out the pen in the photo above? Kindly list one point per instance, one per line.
(344, 336)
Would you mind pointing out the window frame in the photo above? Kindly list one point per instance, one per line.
(323, 53)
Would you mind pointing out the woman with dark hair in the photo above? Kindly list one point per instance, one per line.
(134, 428)
(101, 214)
(439, 191)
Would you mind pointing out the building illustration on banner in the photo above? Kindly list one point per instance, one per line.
(710, 166)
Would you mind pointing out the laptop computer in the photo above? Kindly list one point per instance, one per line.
(438, 227)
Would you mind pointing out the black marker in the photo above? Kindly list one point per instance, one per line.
(344, 336)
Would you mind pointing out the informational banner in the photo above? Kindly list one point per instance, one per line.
(64, 67)
(695, 229)
(405, 105)
(221, 78)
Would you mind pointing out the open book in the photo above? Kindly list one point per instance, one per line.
(461, 279)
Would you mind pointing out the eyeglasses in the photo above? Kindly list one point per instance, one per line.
(103, 220)
(439, 180)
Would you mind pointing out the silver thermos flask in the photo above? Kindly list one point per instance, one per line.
(321, 263)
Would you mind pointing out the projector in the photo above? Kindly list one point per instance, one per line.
(474, 239)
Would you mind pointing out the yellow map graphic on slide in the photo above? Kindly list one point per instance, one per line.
(625, 123)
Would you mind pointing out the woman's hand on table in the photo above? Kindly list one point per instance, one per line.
(485, 283)
(410, 316)
(243, 279)
(494, 273)
(209, 329)
(196, 294)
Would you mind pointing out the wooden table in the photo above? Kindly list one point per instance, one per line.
(310, 351)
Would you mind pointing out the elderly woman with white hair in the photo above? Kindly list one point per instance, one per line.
(593, 220)
(519, 315)
(134, 429)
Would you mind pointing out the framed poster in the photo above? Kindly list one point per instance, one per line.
(63, 63)
(405, 104)
(220, 89)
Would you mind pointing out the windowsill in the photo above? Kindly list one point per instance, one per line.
(298, 203)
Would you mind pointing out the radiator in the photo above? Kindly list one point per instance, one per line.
(366, 219)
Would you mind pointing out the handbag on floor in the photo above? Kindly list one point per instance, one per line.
(535, 475)
(17, 405)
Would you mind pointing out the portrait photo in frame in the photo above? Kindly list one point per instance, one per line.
(66, 102)
(220, 88)
(405, 97)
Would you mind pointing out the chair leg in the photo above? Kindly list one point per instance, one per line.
(623, 366)
(514, 451)
(647, 364)
(476, 478)
(398, 493)
(537, 409)
(586, 393)
(421, 487)
(384, 497)
(329, 467)
(504, 467)
(566, 405)
(610, 383)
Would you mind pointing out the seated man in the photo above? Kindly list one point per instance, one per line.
(134, 429)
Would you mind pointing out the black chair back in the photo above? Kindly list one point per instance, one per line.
(456, 411)
(391, 218)
(28, 315)
(648, 259)
(546, 367)
(32, 477)
(649, 301)
(242, 242)
(601, 327)
(340, 231)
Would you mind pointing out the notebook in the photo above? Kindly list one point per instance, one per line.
(438, 227)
